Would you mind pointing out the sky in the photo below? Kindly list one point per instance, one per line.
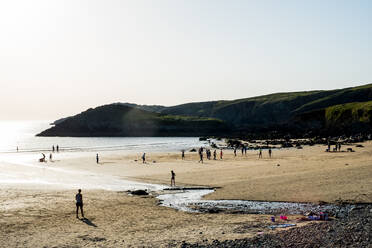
(58, 58)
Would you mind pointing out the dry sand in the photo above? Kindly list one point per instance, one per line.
(45, 217)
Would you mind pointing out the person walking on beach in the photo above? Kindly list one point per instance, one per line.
(234, 151)
(57, 148)
(214, 155)
(183, 154)
(79, 204)
(97, 158)
(201, 155)
(173, 178)
(53, 148)
(270, 152)
(243, 150)
(260, 153)
(221, 154)
(50, 157)
(144, 158)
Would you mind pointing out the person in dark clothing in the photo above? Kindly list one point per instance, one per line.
(79, 204)
(97, 158)
(173, 178)
(183, 154)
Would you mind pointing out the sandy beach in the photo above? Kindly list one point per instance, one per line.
(43, 216)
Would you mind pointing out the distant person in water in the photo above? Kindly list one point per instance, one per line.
(214, 155)
(183, 154)
(79, 204)
(173, 178)
(270, 152)
(97, 158)
(144, 158)
(221, 154)
(260, 153)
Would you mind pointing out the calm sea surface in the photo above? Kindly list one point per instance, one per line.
(21, 134)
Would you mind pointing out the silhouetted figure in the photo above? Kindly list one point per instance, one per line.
(53, 148)
(173, 178)
(17, 149)
(201, 155)
(50, 157)
(97, 158)
(339, 147)
(214, 154)
(57, 148)
(183, 154)
(243, 150)
(329, 146)
(260, 153)
(234, 151)
(144, 158)
(221, 154)
(79, 204)
(270, 152)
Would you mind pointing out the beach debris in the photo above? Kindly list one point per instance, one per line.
(283, 217)
(359, 145)
(350, 149)
(278, 165)
(193, 150)
(281, 226)
(139, 192)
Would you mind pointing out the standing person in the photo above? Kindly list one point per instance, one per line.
(243, 150)
(260, 153)
(97, 158)
(79, 204)
(221, 154)
(144, 158)
(183, 154)
(57, 148)
(339, 147)
(173, 178)
(214, 155)
(201, 155)
(234, 151)
(17, 148)
(53, 148)
(270, 152)
(50, 157)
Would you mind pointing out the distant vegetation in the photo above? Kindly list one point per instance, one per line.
(122, 120)
(343, 111)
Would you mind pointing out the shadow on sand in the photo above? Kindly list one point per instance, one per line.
(88, 222)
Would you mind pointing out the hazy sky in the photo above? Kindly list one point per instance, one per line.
(59, 58)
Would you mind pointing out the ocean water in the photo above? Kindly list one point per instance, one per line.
(22, 168)
(21, 134)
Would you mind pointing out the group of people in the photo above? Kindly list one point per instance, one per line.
(208, 153)
(260, 153)
(336, 148)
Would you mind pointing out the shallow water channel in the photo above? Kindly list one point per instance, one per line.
(190, 200)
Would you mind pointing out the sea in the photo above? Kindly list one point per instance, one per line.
(20, 150)
(22, 135)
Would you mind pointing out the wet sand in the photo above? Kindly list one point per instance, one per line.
(34, 216)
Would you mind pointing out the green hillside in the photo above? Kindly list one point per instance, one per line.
(274, 111)
(342, 111)
(122, 120)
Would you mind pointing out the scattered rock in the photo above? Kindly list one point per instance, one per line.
(139, 192)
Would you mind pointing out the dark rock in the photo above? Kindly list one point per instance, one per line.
(139, 192)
